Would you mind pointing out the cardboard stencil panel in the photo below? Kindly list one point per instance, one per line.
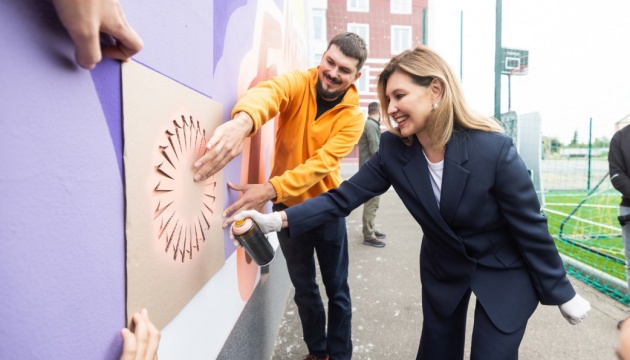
(173, 224)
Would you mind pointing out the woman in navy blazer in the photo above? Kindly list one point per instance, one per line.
(465, 184)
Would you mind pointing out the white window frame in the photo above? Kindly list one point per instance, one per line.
(359, 5)
(363, 83)
(400, 7)
(363, 30)
(396, 45)
(319, 17)
(317, 59)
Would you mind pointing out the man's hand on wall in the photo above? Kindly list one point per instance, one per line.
(255, 196)
(225, 144)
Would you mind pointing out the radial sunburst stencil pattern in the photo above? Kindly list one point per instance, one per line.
(183, 207)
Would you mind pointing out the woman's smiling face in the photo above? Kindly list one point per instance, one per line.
(409, 104)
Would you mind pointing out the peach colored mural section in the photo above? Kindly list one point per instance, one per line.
(173, 224)
(277, 45)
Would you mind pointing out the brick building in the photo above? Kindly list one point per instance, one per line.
(388, 27)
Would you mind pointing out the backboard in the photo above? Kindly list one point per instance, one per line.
(515, 62)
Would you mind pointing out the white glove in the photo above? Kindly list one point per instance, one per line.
(575, 310)
(266, 222)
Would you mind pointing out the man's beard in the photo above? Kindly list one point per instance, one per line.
(328, 95)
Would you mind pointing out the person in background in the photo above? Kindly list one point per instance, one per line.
(85, 20)
(368, 146)
(318, 124)
(141, 339)
(619, 170)
(463, 181)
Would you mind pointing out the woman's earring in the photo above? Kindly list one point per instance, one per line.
(435, 106)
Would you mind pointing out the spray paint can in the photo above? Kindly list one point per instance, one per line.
(249, 235)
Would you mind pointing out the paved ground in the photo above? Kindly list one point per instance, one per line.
(387, 314)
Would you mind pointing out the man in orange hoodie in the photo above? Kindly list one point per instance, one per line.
(319, 122)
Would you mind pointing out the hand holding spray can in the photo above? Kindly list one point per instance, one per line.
(249, 235)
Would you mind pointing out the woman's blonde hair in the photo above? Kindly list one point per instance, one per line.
(424, 66)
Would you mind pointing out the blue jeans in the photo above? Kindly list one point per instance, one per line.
(330, 242)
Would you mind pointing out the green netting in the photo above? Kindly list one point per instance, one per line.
(582, 207)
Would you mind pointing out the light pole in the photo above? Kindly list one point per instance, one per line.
(498, 55)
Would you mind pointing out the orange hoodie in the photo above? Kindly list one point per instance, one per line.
(307, 151)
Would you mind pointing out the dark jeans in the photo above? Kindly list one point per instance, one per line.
(330, 242)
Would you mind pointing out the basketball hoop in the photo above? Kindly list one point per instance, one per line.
(515, 61)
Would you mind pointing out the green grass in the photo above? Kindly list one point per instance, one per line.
(585, 228)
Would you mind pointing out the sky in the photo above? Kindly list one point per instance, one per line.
(579, 59)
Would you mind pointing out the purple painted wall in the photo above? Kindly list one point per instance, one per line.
(62, 261)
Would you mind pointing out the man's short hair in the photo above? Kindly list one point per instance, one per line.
(351, 45)
(373, 108)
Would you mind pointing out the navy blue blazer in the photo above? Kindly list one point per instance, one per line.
(487, 233)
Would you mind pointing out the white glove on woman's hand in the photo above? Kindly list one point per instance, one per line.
(266, 222)
(575, 310)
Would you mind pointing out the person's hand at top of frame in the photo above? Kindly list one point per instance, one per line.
(575, 310)
(224, 145)
(85, 20)
(141, 339)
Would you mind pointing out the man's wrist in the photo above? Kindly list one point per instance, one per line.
(245, 121)
(271, 191)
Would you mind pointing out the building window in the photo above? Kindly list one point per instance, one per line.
(400, 6)
(359, 5)
(401, 39)
(363, 83)
(363, 30)
(319, 25)
(317, 59)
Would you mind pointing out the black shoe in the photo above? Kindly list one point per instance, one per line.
(379, 235)
(374, 242)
